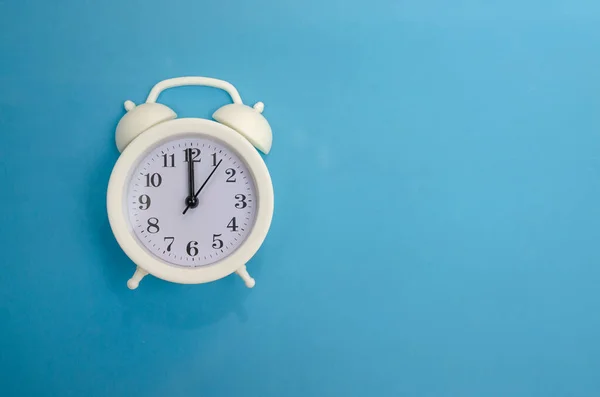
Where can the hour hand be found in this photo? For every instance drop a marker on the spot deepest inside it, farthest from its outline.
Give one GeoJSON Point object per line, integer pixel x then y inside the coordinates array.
{"type": "Point", "coordinates": [191, 201]}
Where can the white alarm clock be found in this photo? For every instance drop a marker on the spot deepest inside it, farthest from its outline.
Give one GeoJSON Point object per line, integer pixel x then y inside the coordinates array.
{"type": "Point", "coordinates": [190, 200]}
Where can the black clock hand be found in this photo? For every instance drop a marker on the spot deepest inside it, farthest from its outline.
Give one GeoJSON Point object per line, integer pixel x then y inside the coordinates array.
{"type": "Point", "coordinates": [204, 184]}
{"type": "Point", "coordinates": [191, 201]}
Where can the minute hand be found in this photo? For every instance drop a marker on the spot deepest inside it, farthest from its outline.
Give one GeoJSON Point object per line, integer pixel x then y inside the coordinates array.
{"type": "Point", "coordinates": [204, 184]}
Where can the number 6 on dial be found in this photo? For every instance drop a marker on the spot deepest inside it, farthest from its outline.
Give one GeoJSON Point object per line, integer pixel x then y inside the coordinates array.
{"type": "Point", "coordinates": [190, 200]}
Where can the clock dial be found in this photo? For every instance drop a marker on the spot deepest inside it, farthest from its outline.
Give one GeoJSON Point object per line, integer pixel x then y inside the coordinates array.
{"type": "Point", "coordinates": [217, 222]}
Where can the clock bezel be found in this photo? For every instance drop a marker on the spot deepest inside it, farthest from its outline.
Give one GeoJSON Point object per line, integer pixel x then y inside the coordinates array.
{"type": "Point", "coordinates": [123, 229]}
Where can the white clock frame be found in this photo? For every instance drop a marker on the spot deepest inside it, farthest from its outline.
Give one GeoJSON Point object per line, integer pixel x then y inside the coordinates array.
{"type": "Point", "coordinates": [122, 229]}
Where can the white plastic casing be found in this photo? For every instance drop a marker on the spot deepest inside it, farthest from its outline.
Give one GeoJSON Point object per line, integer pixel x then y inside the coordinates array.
{"type": "Point", "coordinates": [239, 126]}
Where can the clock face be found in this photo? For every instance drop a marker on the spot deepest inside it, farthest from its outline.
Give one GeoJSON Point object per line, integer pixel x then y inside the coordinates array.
{"type": "Point", "coordinates": [159, 196]}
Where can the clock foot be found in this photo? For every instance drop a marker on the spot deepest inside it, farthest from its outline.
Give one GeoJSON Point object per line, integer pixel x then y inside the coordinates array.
{"type": "Point", "coordinates": [243, 273]}
{"type": "Point", "coordinates": [134, 281]}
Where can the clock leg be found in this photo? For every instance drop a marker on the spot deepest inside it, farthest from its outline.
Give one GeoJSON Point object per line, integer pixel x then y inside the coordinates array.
{"type": "Point", "coordinates": [134, 281]}
{"type": "Point", "coordinates": [243, 273]}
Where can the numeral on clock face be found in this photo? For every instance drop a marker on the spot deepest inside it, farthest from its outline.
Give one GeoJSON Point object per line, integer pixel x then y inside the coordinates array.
{"type": "Point", "coordinates": [145, 202]}
{"type": "Point", "coordinates": [168, 160]}
{"type": "Point", "coordinates": [241, 201]}
{"type": "Point", "coordinates": [170, 241]}
{"type": "Point", "coordinates": [232, 225]}
{"type": "Point", "coordinates": [153, 180]}
{"type": "Point", "coordinates": [217, 242]}
{"type": "Point", "coordinates": [192, 248]}
{"type": "Point", "coordinates": [158, 192]}
{"type": "Point", "coordinates": [195, 155]}
{"type": "Point", "coordinates": [153, 226]}
{"type": "Point", "coordinates": [231, 173]}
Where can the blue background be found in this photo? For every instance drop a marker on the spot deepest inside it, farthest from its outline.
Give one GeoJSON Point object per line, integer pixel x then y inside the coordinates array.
{"type": "Point", "coordinates": [437, 223]}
